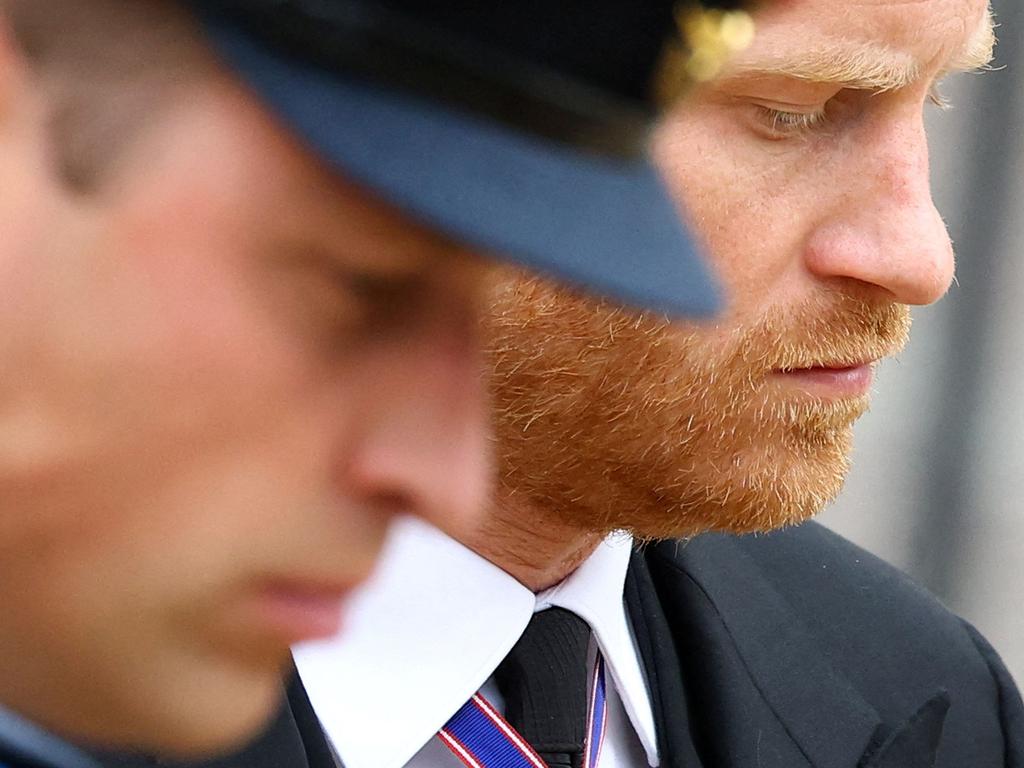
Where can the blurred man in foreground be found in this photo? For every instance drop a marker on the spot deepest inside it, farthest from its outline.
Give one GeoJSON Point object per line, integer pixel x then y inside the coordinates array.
{"type": "Point", "coordinates": [241, 278]}
{"type": "Point", "coordinates": [805, 168]}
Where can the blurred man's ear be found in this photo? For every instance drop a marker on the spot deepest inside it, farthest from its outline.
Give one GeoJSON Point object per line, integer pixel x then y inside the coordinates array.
{"type": "Point", "coordinates": [9, 60]}
{"type": "Point", "coordinates": [24, 150]}
{"type": "Point", "coordinates": [13, 72]}
{"type": "Point", "coordinates": [24, 147]}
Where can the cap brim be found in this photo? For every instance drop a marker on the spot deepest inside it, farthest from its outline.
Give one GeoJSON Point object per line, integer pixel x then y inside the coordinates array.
{"type": "Point", "coordinates": [606, 226]}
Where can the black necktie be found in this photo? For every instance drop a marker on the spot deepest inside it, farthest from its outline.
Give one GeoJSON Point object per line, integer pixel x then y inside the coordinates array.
{"type": "Point", "coordinates": [544, 682]}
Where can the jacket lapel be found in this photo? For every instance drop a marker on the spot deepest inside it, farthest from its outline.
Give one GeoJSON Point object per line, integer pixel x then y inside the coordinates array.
{"type": "Point", "coordinates": [721, 720]}
{"type": "Point", "coordinates": [664, 676]}
{"type": "Point", "coordinates": [319, 753]}
{"type": "Point", "coordinates": [758, 689]}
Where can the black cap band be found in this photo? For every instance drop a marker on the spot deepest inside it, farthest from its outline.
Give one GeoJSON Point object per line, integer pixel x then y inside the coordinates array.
{"type": "Point", "coordinates": [403, 45]}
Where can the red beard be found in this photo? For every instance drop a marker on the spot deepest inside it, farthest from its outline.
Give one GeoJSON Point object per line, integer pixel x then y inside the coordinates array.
{"type": "Point", "coordinates": [607, 420]}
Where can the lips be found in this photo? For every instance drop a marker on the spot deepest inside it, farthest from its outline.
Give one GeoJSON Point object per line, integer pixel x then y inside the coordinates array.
{"type": "Point", "coordinates": [296, 611]}
{"type": "Point", "coordinates": [830, 380]}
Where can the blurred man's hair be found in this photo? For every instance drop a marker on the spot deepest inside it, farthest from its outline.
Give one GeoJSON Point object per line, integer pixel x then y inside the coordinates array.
{"type": "Point", "coordinates": [106, 68]}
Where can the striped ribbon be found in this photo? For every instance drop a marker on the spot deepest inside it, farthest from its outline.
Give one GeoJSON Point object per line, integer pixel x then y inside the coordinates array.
{"type": "Point", "coordinates": [481, 738]}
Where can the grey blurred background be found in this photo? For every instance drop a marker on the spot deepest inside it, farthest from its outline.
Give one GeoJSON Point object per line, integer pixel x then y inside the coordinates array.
{"type": "Point", "coordinates": [938, 481]}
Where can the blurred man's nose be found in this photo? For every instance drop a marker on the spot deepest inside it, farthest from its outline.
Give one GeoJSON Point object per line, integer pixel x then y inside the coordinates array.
{"type": "Point", "coordinates": [424, 447]}
{"type": "Point", "coordinates": [884, 229]}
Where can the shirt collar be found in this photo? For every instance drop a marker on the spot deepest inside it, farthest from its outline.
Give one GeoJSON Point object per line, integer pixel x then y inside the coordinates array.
{"type": "Point", "coordinates": [594, 592]}
{"type": "Point", "coordinates": [21, 737]}
{"type": "Point", "coordinates": [431, 626]}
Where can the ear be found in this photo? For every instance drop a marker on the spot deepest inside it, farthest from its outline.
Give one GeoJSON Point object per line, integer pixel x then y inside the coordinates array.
{"type": "Point", "coordinates": [14, 72]}
{"type": "Point", "coordinates": [23, 134]}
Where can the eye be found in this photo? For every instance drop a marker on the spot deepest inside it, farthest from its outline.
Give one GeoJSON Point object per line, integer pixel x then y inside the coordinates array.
{"type": "Point", "coordinates": [334, 303]}
{"type": "Point", "coordinates": [388, 299]}
{"type": "Point", "coordinates": [782, 124]}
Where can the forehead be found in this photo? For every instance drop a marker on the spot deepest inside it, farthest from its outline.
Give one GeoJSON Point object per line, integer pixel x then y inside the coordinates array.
{"type": "Point", "coordinates": [924, 34]}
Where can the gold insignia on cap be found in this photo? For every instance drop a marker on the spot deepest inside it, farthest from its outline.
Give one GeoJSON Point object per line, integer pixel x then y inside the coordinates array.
{"type": "Point", "coordinates": [709, 38]}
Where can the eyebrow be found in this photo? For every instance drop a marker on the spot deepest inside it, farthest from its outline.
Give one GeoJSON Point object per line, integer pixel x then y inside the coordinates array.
{"type": "Point", "coordinates": [868, 66]}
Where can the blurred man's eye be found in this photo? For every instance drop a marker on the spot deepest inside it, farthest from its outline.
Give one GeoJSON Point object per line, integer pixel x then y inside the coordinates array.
{"type": "Point", "coordinates": [385, 291]}
{"type": "Point", "coordinates": [386, 302]}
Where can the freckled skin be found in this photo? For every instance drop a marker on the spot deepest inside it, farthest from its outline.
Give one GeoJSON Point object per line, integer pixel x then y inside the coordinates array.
{"type": "Point", "coordinates": [850, 201]}
{"type": "Point", "coordinates": [814, 202]}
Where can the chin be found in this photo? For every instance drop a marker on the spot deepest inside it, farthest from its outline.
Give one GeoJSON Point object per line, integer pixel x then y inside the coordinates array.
{"type": "Point", "coordinates": [234, 724]}
{"type": "Point", "coordinates": [194, 717]}
{"type": "Point", "coordinates": [764, 490]}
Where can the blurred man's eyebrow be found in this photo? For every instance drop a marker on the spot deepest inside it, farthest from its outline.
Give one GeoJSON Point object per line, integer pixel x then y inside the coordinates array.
{"type": "Point", "coordinates": [868, 66]}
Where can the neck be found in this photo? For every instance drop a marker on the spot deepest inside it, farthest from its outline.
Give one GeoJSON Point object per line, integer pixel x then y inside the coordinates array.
{"type": "Point", "coordinates": [529, 545]}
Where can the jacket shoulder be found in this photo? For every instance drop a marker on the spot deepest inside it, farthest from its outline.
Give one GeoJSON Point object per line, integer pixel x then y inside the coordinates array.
{"type": "Point", "coordinates": [831, 584]}
{"type": "Point", "coordinates": [889, 637]}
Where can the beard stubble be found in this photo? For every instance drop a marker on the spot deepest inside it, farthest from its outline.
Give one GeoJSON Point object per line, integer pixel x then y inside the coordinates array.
{"type": "Point", "coordinates": [608, 420]}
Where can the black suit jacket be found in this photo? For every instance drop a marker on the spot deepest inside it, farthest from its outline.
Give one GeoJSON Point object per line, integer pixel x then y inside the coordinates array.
{"type": "Point", "coordinates": [798, 649]}
{"type": "Point", "coordinates": [794, 649]}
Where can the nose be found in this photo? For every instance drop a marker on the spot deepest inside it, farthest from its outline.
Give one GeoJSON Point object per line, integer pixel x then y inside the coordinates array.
{"type": "Point", "coordinates": [425, 446]}
{"type": "Point", "coordinates": [884, 229]}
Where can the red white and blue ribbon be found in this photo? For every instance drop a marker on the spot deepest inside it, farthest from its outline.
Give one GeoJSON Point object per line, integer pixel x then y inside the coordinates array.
{"type": "Point", "coordinates": [596, 717]}
{"type": "Point", "coordinates": [481, 738]}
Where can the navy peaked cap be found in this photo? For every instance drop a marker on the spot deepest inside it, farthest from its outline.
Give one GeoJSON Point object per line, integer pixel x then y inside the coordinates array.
{"type": "Point", "coordinates": [518, 127]}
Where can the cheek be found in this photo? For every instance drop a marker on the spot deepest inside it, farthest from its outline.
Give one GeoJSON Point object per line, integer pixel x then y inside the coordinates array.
{"type": "Point", "coordinates": [172, 524]}
{"type": "Point", "coordinates": [195, 327]}
{"type": "Point", "coordinates": [167, 411]}
{"type": "Point", "coordinates": [749, 201]}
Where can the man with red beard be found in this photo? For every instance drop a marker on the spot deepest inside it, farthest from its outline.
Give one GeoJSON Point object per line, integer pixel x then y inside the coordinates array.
{"type": "Point", "coordinates": [548, 636]}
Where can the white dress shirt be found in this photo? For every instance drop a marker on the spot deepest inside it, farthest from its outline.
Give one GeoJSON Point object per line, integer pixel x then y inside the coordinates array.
{"type": "Point", "coordinates": [431, 626]}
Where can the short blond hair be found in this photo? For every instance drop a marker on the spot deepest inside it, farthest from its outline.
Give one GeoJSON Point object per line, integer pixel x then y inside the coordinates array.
{"type": "Point", "coordinates": [106, 68]}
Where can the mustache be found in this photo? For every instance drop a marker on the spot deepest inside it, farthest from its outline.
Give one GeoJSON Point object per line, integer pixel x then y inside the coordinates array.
{"type": "Point", "coordinates": [833, 331]}
{"type": "Point", "coordinates": [533, 323]}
